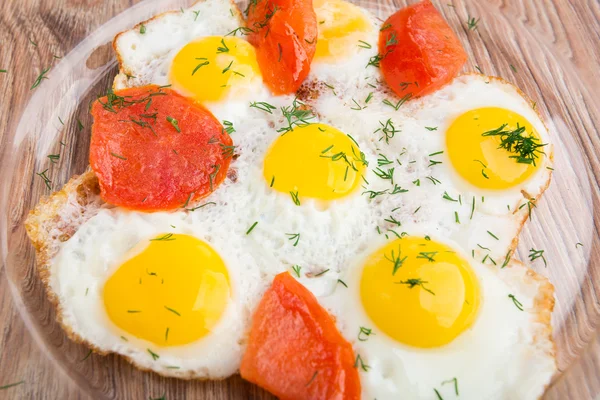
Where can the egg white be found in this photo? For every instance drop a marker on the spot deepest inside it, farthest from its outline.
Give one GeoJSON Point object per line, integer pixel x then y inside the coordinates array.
{"type": "Point", "coordinates": [103, 243]}
{"type": "Point", "coordinates": [147, 58]}
{"type": "Point", "coordinates": [142, 54]}
{"type": "Point", "coordinates": [469, 92]}
{"type": "Point", "coordinates": [504, 354]}
{"type": "Point", "coordinates": [351, 65]}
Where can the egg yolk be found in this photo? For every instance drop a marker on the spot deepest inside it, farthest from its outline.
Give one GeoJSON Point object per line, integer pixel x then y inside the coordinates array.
{"type": "Point", "coordinates": [341, 26]}
{"type": "Point", "coordinates": [215, 68]}
{"type": "Point", "coordinates": [171, 293]}
{"type": "Point", "coordinates": [316, 161]}
{"type": "Point", "coordinates": [483, 159]}
{"type": "Point", "coordinates": [419, 292]}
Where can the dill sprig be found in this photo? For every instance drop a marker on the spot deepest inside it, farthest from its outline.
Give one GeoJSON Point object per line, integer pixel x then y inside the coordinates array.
{"type": "Point", "coordinates": [295, 237]}
{"type": "Point", "coordinates": [364, 333]}
{"type": "Point", "coordinates": [252, 228]}
{"type": "Point", "coordinates": [40, 78]}
{"type": "Point", "coordinates": [396, 260]}
{"type": "Point", "coordinates": [375, 61]}
{"type": "Point", "coordinates": [227, 151]}
{"type": "Point", "coordinates": [397, 106]}
{"type": "Point", "coordinates": [383, 160]}
{"type": "Point", "coordinates": [153, 354]}
{"type": "Point", "coordinates": [360, 363]}
{"type": "Point", "coordinates": [45, 178]}
{"type": "Point", "coordinates": [535, 254]}
{"type": "Point", "coordinates": [228, 127]}
{"type": "Point", "coordinates": [242, 30]}
{"type": "Point", "coordinates": [388, 129]}
{"type": "Point", "coordinates": [224, 48]}
{"type": "Point", "coordinates": [517, 303]}
{"type": "Point", "coordinates": [385, 175]}
{"type": "Point", "coordinates": [263, 106]}
{"type": "Point", "coordinates": [472, 23]}
{"type": "Point", "coordinates": [428, 255]}
{"type": "Point", "coordinates": [525, 148]}
{"type": "Point", "coordinates": [455, 381]}
{"type": "Point", "coordinates": [203, 61]}
{"type": "Point", "coordinates": [411, 283]}
{"type": "Point", "coordinates": [114, 103]}
{"type": "Point", "coordinates": [372, 194]}
{"type": "Point", "coordinates": [398, 189]}
{"type": "Point", "coordinates": [213, 175]}
{"type": "Point", "coordinates": [295, 198]}
{"type": "Point", "coordinates": [261, 24]}
{"type": "Point", "coordinates": [295, 115]}
{"type": "Point", "coordinates": [296, 268]}
{"type": "Point", "coordinates": [164, 238]}
{"type": "Point", "coordinates": [312, 379]}
{"type": "Point", "coordinates": [174, 122]}
{"type": "Point", "coordinates": [173, 311]}
{"type": "Point", "coordinates": [11, 385]}
{"type": "Point", "coordinates": [357, 156]}
{"type": "Point", "coordinates": [530, 205]}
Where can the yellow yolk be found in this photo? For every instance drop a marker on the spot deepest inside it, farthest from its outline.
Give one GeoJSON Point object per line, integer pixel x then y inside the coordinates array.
{"type": "Point", "coordinates": [214, 68]}
{"type": "Point", "coordinates": [419, 292]}
{"type": "Point", "coordinates": [171, 293]}
{"type": "Point", "coordinates": [316, 161]}
{"type": "Point", "coordinates": [478, 158]}
{"type": "Point", "coordinates": [341, 25]}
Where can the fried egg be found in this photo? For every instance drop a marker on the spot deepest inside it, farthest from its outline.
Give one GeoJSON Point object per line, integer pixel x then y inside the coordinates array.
{"type": "Point", "coordinates": [171, 296]}
{"type": "Point", "coordinates": [200, 52]}
{"type": "Point", "coordinates": [474, 120]}
{"type": "Point", "coordinates": [464, 329]}
{"type": "Point", "coordinates": [143, 49]}
{"type": "Point", "coordinates": [347, 39]}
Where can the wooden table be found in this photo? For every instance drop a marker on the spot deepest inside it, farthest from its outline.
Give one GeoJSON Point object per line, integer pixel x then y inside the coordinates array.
{"type": "Point", "coordinates": [33, 31]}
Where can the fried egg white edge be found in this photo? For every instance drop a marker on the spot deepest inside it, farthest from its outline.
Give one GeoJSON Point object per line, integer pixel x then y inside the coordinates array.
{"type": "Point", "coordinates": [78, 273]}
{"type": "Point", "coordinates": [138, 51]}
{"type": "Point", "coordinates": [400, 370]}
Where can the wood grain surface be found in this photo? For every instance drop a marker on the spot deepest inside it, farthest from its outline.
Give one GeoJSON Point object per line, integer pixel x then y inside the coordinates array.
{"type": "Point", "coordinates": [34, 33]}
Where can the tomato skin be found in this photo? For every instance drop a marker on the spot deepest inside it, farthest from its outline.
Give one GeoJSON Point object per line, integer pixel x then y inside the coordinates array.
{"type": "Point", "coordinates": [141, 160]}
{"type": "Point", "coordinates": [285, 37]}
{"type": "Point", "coordinates": [295, 350]}
{"type": "Point", "coordinates": [420, 52]}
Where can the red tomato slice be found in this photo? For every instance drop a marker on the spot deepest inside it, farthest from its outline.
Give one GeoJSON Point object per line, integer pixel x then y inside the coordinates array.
{"type": "Point", "coordinates": [153, 149]}
{"type": "Point", "coordinates": [285, 37]}
{"type": "Point", "coordinates": [420, 52]}
{"type": "Point", "coordinates": [295, 350]}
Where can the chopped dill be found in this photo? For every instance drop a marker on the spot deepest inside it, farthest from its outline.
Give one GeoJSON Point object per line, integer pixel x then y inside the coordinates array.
{"type": "Point", "coordinates": [411, 283]}
{"type": "Point", "coordinates": [526, 149]}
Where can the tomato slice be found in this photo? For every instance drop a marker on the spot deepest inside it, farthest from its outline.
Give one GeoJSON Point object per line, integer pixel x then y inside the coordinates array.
{"type": "Point", "coordinates": [285, 37]}
{"type": "Point", "coordinates": [420, 52]}
{"type": "Point", "coordinates": [153, 149]}
{"type": "Point", "coordinates": [295, 350]}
